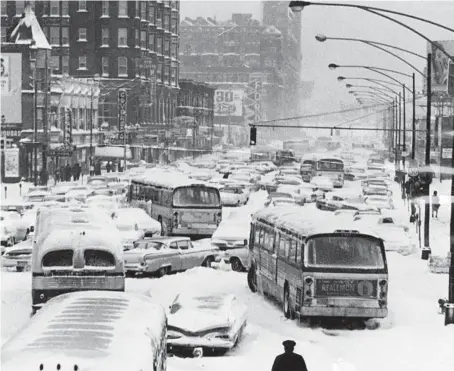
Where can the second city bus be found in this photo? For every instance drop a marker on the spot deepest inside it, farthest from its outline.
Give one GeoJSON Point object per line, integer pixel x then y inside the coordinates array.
{"type": "Point", "coordinates": [317, 270]}
{"type": "Point", "coordinates": [333, 168]}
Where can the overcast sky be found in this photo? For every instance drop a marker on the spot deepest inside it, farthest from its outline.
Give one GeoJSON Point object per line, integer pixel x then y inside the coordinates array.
{"type": "Point", "coordinates": [353, 23]}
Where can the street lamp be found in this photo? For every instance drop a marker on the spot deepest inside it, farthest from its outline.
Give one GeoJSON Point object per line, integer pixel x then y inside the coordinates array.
{"type": "Point", "coordinates": [374, 93]}
{"type": "Point", "coordinates": [373, 88]}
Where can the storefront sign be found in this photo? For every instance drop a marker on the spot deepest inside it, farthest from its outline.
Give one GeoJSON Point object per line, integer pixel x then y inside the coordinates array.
{"type": "Point", "coordinates": [68, 127]}
{"type": "Point", "coordinates": [440, 64]}
{"type": "Point", "coordinates": [446, 153]}
{"type": "Point", "coordinates": [11, 162]}
{"type": "Point", "coordinates": [64, 151]}
{"type": "Point", "coordinates": [122, 105]}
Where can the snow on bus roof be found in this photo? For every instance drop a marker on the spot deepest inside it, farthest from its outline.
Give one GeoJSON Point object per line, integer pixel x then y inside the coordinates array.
{"type": "Point", "coordinates": [295, 219]}
{"type": "Point", "coordinates": [88, 325]}
{"type": "Point", "coordinates": [166, 179]}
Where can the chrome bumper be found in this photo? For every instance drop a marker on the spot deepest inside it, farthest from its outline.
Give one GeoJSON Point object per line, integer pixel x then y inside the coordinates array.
{"type": "Point", "coordinates": [197, 342]}
{"type": "Point", "coordinates": [321, 311]}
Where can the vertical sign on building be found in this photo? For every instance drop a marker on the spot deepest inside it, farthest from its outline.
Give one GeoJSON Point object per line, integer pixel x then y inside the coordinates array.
{"type": "Point", "coordinates": [122, 102]}
{"type": "Point", "coordinates": [68, 128]}
{"type": "Point", "coordinates": [451, 79]}
{"type": "Point", "coordinates": [253, 98]}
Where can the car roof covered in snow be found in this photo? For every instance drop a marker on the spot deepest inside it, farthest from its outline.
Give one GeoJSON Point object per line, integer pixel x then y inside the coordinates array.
{"type": "Point", "coordinates": [166, 179]}
{"type": "Point", "coordinates": [295, 219]}
{"type": "Point", "coordinates": [111, 330]}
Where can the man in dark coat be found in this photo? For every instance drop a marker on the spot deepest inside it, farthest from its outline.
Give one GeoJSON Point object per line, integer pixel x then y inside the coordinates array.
{"type": "Point", "coordinates": [289, 361]}
{"type": "Point", "coordinates": [68, 172]}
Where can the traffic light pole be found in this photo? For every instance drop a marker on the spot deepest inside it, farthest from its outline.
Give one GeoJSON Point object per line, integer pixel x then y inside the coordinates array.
{"type": "Point", "coordinates": [35, 131]}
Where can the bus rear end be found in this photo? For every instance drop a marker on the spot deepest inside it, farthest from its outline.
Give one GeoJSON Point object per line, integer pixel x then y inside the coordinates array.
{"type": "Point", "coordinates": [344, 275]}
{"type": "Point", "coordinates": [333, 169]}
{"type": "Point", "coordinates": [196, 211]}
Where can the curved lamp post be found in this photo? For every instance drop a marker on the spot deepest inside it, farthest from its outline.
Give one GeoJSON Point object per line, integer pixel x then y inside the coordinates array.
{"type": "Point", "coordinates": [378, 94]}
{"type": "Point", "coordinates": [372, 88]}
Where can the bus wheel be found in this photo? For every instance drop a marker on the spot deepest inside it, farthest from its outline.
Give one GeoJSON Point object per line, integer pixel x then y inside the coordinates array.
{"type": "Point", "coordinates": [236, 265]}
{"type": "Point", "coordinates": [288, 313]}
{"type": "Point", "coordinates": [252, 279]}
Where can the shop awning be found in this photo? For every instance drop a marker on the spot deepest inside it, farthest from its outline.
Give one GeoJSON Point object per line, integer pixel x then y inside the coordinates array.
{"type": "Point", "coordinates": [112, 152]}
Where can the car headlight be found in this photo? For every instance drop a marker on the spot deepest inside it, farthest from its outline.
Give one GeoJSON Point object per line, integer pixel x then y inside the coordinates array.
{"type": "Point", "coordinates": [218, 335]}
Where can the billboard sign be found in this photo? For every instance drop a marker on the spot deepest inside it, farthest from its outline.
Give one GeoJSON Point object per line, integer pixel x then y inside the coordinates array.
{"type": "Point", "coordinates": [228, 102]}
{"type": "Point", "coordinates": [440, 64]}
{"type": "Point", "coordinates": [11, 87]}
{"type": "Point", "coordinates": [122, 102]}
{"type": "Point", "coordinates": [11, 162]}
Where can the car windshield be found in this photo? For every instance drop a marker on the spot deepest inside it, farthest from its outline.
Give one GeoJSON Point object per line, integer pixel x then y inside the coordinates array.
{"type": "Point", "coordinates": [37, 198]}
{"type": "Point", "coordinates": [196, 196]}
{"type": "Point", "coordinates": [336, 251]}
{"type": "Point", "coordinates": [280, 195]}
{"type": "Point", "coordinates": [95, 182]}
{"type": "Point", "coordinates": [146, 245]}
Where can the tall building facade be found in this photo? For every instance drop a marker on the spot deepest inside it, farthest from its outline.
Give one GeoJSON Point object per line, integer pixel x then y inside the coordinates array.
{"type": "Point", "coordinates": [119, 44]}
{"type": "Point", "coordinates": [237, 57]}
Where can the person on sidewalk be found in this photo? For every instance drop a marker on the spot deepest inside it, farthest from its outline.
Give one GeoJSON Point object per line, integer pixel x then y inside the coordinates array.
{"type": "Point", "coordinates": [289, 361]}
{"type": "Point", "coordinates": [435, 204]}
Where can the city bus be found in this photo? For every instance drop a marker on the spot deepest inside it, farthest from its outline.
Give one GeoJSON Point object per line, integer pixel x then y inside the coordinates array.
{"type": "Point", "coordinates": [184, 207]}
{"type": "Point", "coordinates": [261, 154]}
{"type": "Point", "coordinates": [317, 269]}
{"type": "Point", "coordinates": [331, 167]}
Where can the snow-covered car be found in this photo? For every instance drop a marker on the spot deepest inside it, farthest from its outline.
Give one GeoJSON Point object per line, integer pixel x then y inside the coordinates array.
{"type": "Point", "coordinates": [18, 256]}
{"type": "Point", "coordinates": [355, 173]}
{"type": "Point", "coordinates": [231, 237]}
{"type": "Point", "coordinates": [267, 185]}
{"type": "Point", "coordinates": [222, 165]}
{"type": "Point", "coordinates": [306, 172]}
{"type": "Point", "coordinates": [39, 189]}
{"type": "Point", "coordinates": [7, 236]}
{"type": "Point", "coordinates": [163, 255]}
{"type": "Point", "coordinates": [289, 179]}
{"type": "Point", "coordinates": [277, 195]}
{"type": "Point", "coordinates": [310, 192]}
{"type": "Point", "coordinates": [207, 322]}
{"type": "Point", "coordinates": [323, 183]}
{"type": "Point", "coordinates": [129, 231]}
{"type": "Point", "coordinates": [109, 203]}
{"type": "Point", "coordinates": [380, 202]}
{"type": "Point", "coordinates": [16, 227]}
{"type": "Point", "coordinates": [376, 189]}
{"type": "Point", "coordinates": [54, 198]}
{"type": "Point", "coordinates": [201, 175]}
{"type": "Point", "coordinates": [97, 181]}
{"type": "Point", "coordinates": [276, 202]}
{"type": "Point", "coordinates": [294, 191]}
{"type": "Point", "coordinates": [232, 195]}
{"type": "Point", "coordinates": [63, 188]}
{"type": "Point", "coordinates": [36, 197]}
{"type": "Point", "coordinates": [340, 200]}
{"type": "Point", "coordinates": [381, 220]}
{"type": "Point", "coordinates": [145, 223]}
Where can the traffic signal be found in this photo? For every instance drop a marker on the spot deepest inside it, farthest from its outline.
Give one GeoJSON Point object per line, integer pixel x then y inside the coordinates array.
{"type": "Point", "coordinates": [253, 136]}
{"type": "Point", "coordinates": [331, 131]}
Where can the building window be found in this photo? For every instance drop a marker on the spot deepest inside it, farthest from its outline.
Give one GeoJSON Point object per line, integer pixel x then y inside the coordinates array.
{"type": "Point", "coordinates": [151, 12]}
{"type": "Point", "coordinates": [143, 39]}
{"type": "Point", "coordinates": [173, 76]}
{"type": "Point", "coordinates": [159, 72]}
{"type": "Point", "coordinates": [82, 34]}
{"type": "Point", "coordinates": [122, 66]}
{"type": "Point", "coordinates": [19, 7]}
{"type": "Point", "coordinates": [65, 65]}
{"type": "Point", "coordinates": [55, 36]}
{"type": "Point", "coordinates": [137, 9]}
{"type": "Point", "coordinates": [83, 6]}
{"type": "Point", "coordinates": [64, 8]}
{"type": "Point", "coordinates": [136, 38]}
{"type": "Point", "coordinates": [65, 36]}
{"type": "Point", "coordinates": [3, 33]}
{"type": "Point", "coordinates": [55, 63]}
{"type": "Point", "coordinates": [82, 63]}
{"type": "Point", "coordinates": [173, 49]}
{"type": "Point", "coordinates": [137, 66]}
{"type": "Point", "coordinates": [143, 10]}
{"type": "Point", "coordinates": [105, 36]}
{"type": "Point", "coordinates": [105, 9]}
{"type": "Point", "coordinates": [122, 37]}
{"type": "Point", "coordinates": [159, 44]}
{"type": "Point", "coordinates": [105, 66]}
{"type": "Point", "coordinates": [151, 41]}
{"type": "Point", "coordinates": [166, 47]}
{"type": "Point", "coordinates": [122, 8]}
{"type": "Point", "coordinates": [55, 8]}
{"type": "Point", "coordinates": [3, 7]}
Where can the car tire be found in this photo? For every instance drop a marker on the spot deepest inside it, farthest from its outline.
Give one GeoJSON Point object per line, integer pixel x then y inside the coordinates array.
{"type": "Point", "coordinates": [19, 269]}
{"type": "Point", "coordinates": [162, 271]}
{"type": "Point", "coordinates": [236, 265]}
{"type": "Point", "coordinates": [207, 262]}
{"type": "Point", "coordinates": [252, 279]}
{"type": "Point", "coordinates": [12, 242]}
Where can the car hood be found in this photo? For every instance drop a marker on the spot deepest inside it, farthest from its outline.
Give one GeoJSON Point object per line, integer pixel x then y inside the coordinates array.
{"type": "Point", "coordinates": [24, 246]}
{"type": "Point", "coordinates": [232, 232]}
{"type": "Point", "coordinates": [228, 196]}
{"type": "Point", "coordinates": [130, 235]}
{"type": "Point", "coordinates": [196, 320]}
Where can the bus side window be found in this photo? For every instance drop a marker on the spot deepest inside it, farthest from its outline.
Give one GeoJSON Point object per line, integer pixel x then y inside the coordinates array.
{"type": "Point", "coordinates": [282, 247]}
{"type": "Point", "coordinates": [261, 237]}
{"type": "Point", "coordinates": [284, 242]}
{"type": "Point", "coordinates": [298, 252]}
{"type": "Point", "coordinates": [252, 235]}
{"type": "Point", "coordinates": [276, 242]}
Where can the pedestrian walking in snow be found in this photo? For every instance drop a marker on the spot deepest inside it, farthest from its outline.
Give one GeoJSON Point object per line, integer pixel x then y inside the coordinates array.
{"type": "Point", "coordinates": [289, 361]}
{"type": "Point", "coordinates": [435, 204]}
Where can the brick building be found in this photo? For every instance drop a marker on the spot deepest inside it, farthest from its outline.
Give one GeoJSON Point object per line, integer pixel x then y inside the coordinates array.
{"type": "Point", "coordinates": [129, 44]}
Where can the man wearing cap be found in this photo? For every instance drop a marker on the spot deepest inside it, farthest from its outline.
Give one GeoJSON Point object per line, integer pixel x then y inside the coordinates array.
{"type": "Point", "coordinates": [289, 361]}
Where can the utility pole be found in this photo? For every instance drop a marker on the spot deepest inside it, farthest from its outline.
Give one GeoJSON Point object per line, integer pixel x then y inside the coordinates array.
{"type": "Point", "coordinates": [426, 250]}
{"type": "Point", "coordinates": [45, 122]}
{"type": "Point", "coordinates": [91, 165]}
{"type": "Point", "coordinates": [399, 145]}
{"type": "Point", "coordinates": [35, 128]}
{"type": "Point", "coordinates": [404, 126]}
{"type": "Point", "coordinates": [449, 306]}
{"type": "Point", "coordinates": [413, 143]}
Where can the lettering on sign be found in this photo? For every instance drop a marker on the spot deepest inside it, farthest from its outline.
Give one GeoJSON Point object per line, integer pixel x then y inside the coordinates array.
{"type": "Point", "coordinates": [11, 133]}
{"type": "Point", "coordinates": [122, 104]}
{"type": "Point", "coordinates": [446, 153]}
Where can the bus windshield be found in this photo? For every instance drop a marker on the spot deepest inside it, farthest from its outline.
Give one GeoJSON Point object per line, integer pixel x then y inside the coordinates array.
{"type": "Point", "coordinates": [196, 196]}
{"type": "Point", "coordinates": [330, 165]}
{"type": "Point", "coordinates": [343, 252]}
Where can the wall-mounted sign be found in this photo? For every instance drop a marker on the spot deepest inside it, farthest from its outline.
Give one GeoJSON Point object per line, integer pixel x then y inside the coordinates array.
{"type": "Point", "coordinates": [11, 162]}
{"type": "Point", "coordinates": [228, 102]}
{"type": "Point", "coordinates": [122, 105]}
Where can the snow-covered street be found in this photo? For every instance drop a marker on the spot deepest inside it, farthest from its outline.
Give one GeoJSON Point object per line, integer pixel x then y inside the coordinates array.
{"type": "Point", "coordinates": [413, 336]}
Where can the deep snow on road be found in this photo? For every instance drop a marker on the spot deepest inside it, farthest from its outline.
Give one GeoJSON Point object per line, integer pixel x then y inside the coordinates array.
{"type": "Point", "coordinates": [412, 338]}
